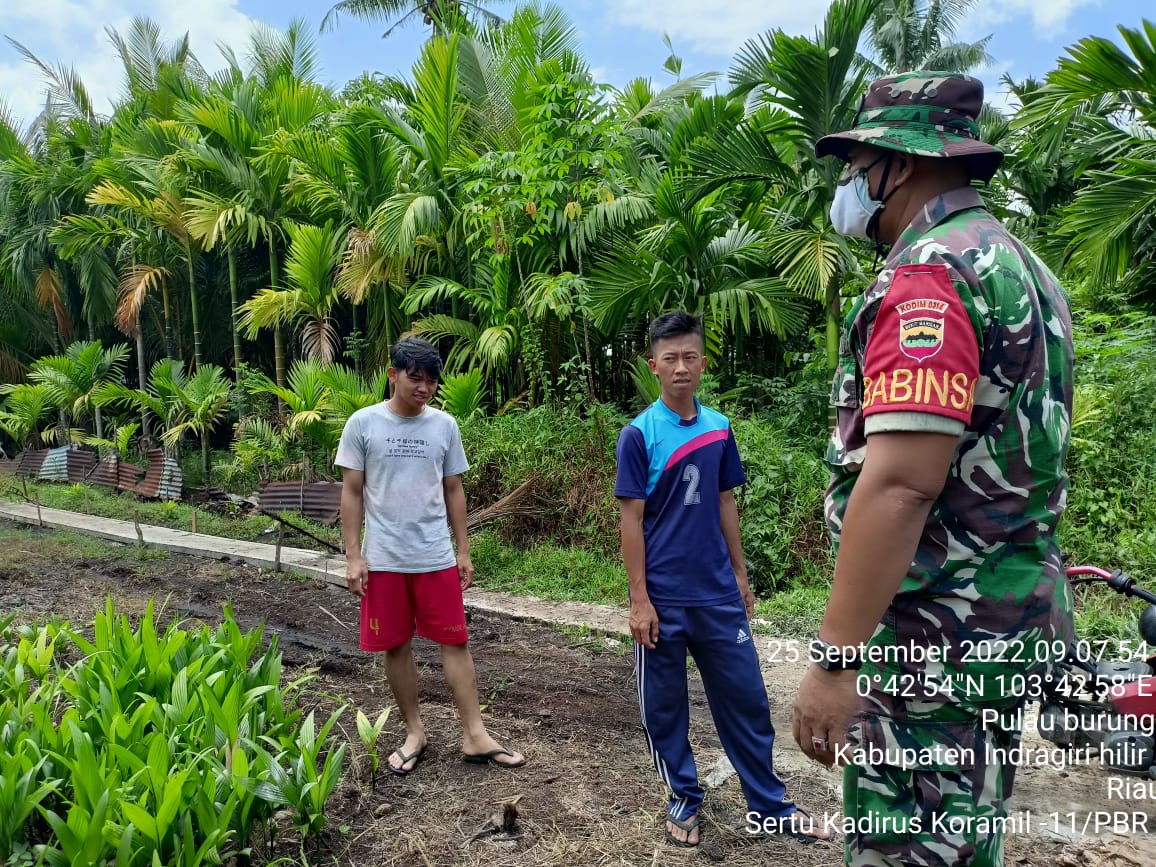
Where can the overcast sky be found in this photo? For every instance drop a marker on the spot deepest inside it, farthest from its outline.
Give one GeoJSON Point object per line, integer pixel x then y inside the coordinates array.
{"type": "Point", "coordinates": [622, 39]}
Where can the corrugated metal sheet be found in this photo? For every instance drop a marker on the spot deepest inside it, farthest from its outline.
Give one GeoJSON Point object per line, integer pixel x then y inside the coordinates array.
{"type": "Point", "coordinates": [318, 501]}
{"type": "Point", "coordinates": [80, 463]}
{"type": "Point", "coordinates": [54, 467]}
{"type": "Point", "coordinates": [105, 473]}
{"type": "Point", "coordinates": [62, 464]}
{"type": "Point", "coordinates": [171, 479]}
{"type": "Point", "coordinates": [160, 479]}
{"type": "Point", "coordinates": [28, 464]}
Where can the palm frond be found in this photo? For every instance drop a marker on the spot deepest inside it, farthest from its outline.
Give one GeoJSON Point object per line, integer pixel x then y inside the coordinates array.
{"type": "Point", "coordinates": [136, 283]}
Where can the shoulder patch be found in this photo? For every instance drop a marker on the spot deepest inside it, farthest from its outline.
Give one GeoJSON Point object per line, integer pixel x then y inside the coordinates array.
{"type": "Point", "coordinates": [921, 319]}
{"type": "Point", "coordinates": [922, 354]}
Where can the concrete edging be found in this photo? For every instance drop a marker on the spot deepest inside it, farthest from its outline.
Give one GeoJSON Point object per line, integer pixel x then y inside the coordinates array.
{"type": "Point", "coordinates": [313, 564]}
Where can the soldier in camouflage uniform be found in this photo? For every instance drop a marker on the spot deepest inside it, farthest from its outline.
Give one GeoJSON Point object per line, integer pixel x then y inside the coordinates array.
{"type": "Point", "coordinates": [953, 402]}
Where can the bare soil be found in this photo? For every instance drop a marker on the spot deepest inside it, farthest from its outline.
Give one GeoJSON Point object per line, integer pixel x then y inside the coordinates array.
{"type": "Point", "coordinates": [589, 795]}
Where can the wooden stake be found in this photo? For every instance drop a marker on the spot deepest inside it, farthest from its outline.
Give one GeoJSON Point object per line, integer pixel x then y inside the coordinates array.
{"type": "Point", "coordinates": [194, 520]}
{"type": "Point", "coordinates": [277, 553]}
{"type": "Point", "coordinates": [39, 517]}
{"type": "Point", "coordinates": [87, 511]}
{"type": "Point", "coordinates": [139, 534]}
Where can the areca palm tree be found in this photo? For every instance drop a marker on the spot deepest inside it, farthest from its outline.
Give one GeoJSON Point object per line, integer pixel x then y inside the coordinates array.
{"type": "Point", "coordinates": [308, 399]}
{"type": "Point", "coordinates": [701, 258]}
{"type": "Point", "coordinates": [44, 175]}
{"type": "Point", "coordinates": [343, 174]}
{"type": "Point", "coordinates": [1106, 92]}
{"type": "Point", "coordinates": [73, 379]}
{"type": "Point", "coordinates": [240, 123]}
{"type": "Point", "coordinates": [153, 192]}
{"type": "Point", "coordinates": [310, 295]}
{"type": "Point", "coordinates": [811, 87]}
{"type": "Point", "coordinates": [22, 412]}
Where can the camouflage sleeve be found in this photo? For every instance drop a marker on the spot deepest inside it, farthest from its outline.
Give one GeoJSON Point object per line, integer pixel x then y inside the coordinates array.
{"type": "Point", "coordinates": [923, 354]}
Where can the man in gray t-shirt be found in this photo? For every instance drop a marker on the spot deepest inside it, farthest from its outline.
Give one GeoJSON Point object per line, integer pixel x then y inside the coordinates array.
{"type": "Point", "coordinates": [402, 465]}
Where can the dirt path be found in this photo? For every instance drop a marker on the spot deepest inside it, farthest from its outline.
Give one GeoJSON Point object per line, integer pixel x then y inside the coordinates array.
{"type": "Point", "coordinates": [589, 795]}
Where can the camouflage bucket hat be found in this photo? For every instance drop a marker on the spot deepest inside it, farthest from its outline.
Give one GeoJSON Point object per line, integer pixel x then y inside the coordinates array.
{"type": "Point", "coordinates": [931, 114]}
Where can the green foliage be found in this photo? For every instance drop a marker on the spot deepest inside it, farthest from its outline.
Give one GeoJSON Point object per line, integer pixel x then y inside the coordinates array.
{"type": "Point", "coordinates": [571, 459]}
{"type": "Point", "coordinates": [22, 412]}
{"type": "Point", "coordinates": [781, 507]}
{"type": "Point", "coordinates": [549, 571]}
{"type": "Point", "coordinates": [462, 395]}
{"type": "Point", "coordinates": [152, 747]}
{"type": "Point", "coordinates": [369, 732]}
{"type": "Point", "coordinates": [1112, 465]}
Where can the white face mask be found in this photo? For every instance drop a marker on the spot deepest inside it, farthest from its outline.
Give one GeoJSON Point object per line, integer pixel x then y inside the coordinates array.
{"type": "Point", "coordinates": [853, 207]}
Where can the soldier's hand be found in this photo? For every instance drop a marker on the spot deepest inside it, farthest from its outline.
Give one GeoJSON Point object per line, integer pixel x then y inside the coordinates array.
{"type": "Point", "coordinates": [823, 709]}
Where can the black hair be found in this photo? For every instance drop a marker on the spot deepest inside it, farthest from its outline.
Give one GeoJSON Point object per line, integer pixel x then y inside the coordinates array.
{"type": "Point", "coordinates": [414, 355]}
{"type": "Point", "coordinates": [673, 324]}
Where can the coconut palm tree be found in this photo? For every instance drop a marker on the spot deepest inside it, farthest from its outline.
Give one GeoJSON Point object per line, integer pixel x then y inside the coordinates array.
{"type": "Point", "coordinates": [917, 34]}
{"type": "Point", "coordinates": [441, 15]}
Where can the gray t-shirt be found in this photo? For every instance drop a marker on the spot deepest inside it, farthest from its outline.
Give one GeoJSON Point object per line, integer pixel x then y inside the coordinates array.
{"type": "Point", "coordinates": [404, 461]}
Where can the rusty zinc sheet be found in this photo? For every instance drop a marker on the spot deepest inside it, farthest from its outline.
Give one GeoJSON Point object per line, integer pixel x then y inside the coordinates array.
{"type": "Point", "coordinates": [62, 464]}
{"type": "Point", "coordinates": [28, 463]}
{"type": "Point", "coordinates": [105, 473]}
{"type": "Point", "coordinates": [80, 464]}
{"type": "Point", "coordinates": [318, 501]}
{"type": "Point", "coordinates": [160, 479]}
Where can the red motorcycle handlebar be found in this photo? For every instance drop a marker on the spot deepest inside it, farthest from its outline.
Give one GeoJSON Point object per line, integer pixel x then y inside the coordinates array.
{"type": "Point", "coordinates": [1073, 571]}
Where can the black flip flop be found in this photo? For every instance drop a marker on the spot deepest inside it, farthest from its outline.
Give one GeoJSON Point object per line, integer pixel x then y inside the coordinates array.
{"type": "Point", "coordinates": [687, 825]}
{"type": "Point", "coordinates": [489, 759]}
{"type": "Point", "coordinates": [405, 760]}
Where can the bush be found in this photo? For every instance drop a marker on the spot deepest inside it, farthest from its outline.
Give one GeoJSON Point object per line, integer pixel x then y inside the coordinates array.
{"type": "Point", "coordinates": [572, 460]}
{"type": "Point", "coordinates": [781, 507]}
{"type": "Point", "coordinates": [1113, 460]}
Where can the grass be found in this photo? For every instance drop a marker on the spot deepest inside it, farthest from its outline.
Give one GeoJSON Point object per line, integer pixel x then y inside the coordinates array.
{"type": "Point", "coordinates": [549, 571]}
{"type": "Point", "coordinates": [18, 544]}
{"type": "Point", "coordinates": [106, 503]}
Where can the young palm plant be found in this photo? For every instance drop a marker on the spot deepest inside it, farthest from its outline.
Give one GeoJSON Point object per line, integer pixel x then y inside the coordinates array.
{"type": "Point", "coordinates": [23, 411]}
{"type": "Point", "coordinates": [71, 381]}
{"type": "Point", "coordinates": [182, 403]}
{"type": "Point", "coordinates": [308, 401]}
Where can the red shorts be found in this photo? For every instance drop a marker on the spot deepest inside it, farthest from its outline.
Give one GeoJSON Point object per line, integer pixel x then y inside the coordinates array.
{"type": "Point", "coordinates": [395, 601]}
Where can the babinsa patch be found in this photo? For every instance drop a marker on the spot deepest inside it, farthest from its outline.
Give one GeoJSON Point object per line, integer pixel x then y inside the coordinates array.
{"type": "Point", "coordinates": [921, 327]}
